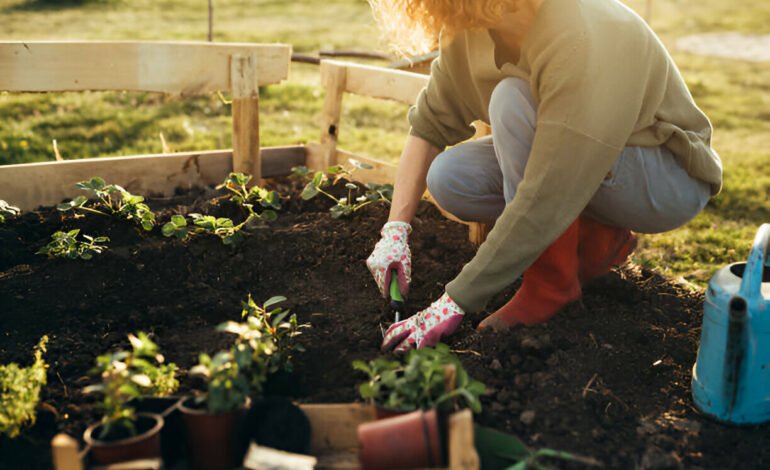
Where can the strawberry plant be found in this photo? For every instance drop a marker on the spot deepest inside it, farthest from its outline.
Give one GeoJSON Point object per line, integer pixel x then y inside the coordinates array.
{"type": "Point", "coordinates": [419, 381]}
{"type": "Point", "coordinates": [223, 227]}
{"type": "Point", "coordinates": [278, 325]}
{"type": "Point", "coordinates": [7, 211]}
{"type": "Point", "coordinates": [20, 392]}
{"type": "Point", "coordinates": [111, 200]}
{"type": "Point", "coordinates": [67, 245]}
{"type": "Point", "coordinates": [227, 385]}
{"type": "Point", "coordinates": [128, 375]}
{"type": "Point", "coordinates": [251, 351]}
{"type": "Point", "coordinates": [236, 184]}
{"type": "Point", "coordinates": [347, 205]}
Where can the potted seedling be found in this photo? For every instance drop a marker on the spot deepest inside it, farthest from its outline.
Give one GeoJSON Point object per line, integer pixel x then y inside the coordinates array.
{"type": "Point", "coordinates": [20, 392]}
{"type": "Point", "coordinates": [232, 377]}
{"type": "Point", "coordinates": [412, 439]}
{"type": "Point", "coordinates": [123, 434]}
{"type": "Point", "coordinates": [282, 327]}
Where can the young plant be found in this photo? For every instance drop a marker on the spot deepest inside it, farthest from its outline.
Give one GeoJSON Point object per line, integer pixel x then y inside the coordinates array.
{"type": "Point", "coordinates": [20, 392]}
{"type": "Point", "coordinates": [281, 327]}
{"type": "Point", "coordinates": [419, 382]}
{"type": "Point", "coordinates": [227, 385]}
{"type": "Point", "coordinates": [67, 245]}
{"type": "Point", "coordinates": [130, 375]}
{"type": "Point", "coordinates": [251, 351]}
{"type": "Point", "coordinates": [343, 206]}
{"type": "Point", "coordinates": [236, 184]}
{"type": "Point", "coordinates": [7, 211]}
{"type": "Point", "coordinates": [223, 227]}
{"type": "Point", "coordinates": [111, 200]}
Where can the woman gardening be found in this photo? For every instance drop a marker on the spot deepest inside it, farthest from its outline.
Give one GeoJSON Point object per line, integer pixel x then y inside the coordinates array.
{"type": "Point", "coordinates": [594, 135]}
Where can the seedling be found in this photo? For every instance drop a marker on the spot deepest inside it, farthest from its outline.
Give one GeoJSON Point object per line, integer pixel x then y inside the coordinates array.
{"type": "Point", "coordinates": [111, 200]}
{"type": "Point", "coordinates": [251, 351]}
{"type": "Point", "coordinates": [418, 382]}
{"type": "Point", "coordinates": [7, 211]}
{"type": "Point", "coordinates": [281, 327]}
{"type": "Point", "coordinates": [343, 206]}
{"type": "Point", "coordinates": [130, 375]}
{"type": "Point", "coordinates": [236, 184]}
{"type": "Point", "coordinates": [67, 245]}
{"type": "Point", "coordinates": [227, 386]}
{"type": "Point", "coordinates": [20, 392]}
{"type": "Point", "coordinates": [223, 227]}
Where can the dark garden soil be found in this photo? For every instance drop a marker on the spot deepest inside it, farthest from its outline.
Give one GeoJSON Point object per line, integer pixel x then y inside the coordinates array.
{"type": "Point", "coordinates": [608, 378]}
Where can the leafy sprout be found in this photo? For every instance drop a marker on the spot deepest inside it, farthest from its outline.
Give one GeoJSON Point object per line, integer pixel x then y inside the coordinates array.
{"type": "Point", "coordinates": [419, 382]}
{"type": "Point", "coordinates": [111, 200]}
{"type": "Point", "coordinates": [67, 245]}
{"type": "Point", "coordinates": [344, 206]}
{"type": "Point", "coordinates": [7, 211]}
{"type": "Point", "coordinates": [20, 392]}
{"type": "Point", "coordinates": [281, 326]}
{"type": "Point", "coordinates": [223, 227]}
{"type": "Point", "coordinates": [237, 185]}
{"type": "Point", "coordinates": [227, 385]}
{"type": "Point", "coordinates": [128, 375]}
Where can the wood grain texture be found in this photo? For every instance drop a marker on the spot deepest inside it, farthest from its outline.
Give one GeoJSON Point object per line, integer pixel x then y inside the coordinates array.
{"type": "Point", "coordinates": [333, 79]}
{"type": "Point", "coordinates": [462, 451]}
{"type": "Point", "coordinates": [335, 427]}
{"type": "Point", "coordinates": [31, 185]}
{"type": "Point", "coordinates": [65, 452]}
{"type": "Point", "coordinates": [245, 89]}
{"type": "Point", "coordinates": [381, 82]}
{"type": "Point", "coordinates": [185, 68]}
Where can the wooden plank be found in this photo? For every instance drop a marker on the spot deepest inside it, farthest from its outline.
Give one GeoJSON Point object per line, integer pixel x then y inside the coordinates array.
{"type": "Point", "coordinates": [462, 450]}
{"type": "Point", "coordinates": [381, 82]}
{"type": "Point", "coordinates": [185, 68]}
{"type": "Point", "coordinates": [31, 185]}
{"type": "Point", "coordinates": [335, 427]}
{"type": "Point", "coordinates": [65, 453]}
{"type": "Point", "coordinates": [333, 78]}
{"type": "Point", "coordinates": [245, 88]}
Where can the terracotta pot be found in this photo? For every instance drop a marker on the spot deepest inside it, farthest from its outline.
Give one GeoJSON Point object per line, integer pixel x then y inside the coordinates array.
{"type": "Point", "coordinates": [145, 445]}
{"type": "Point", "coordinates": [212, 438]}
{"type": "Point", "coordinates": [382, 412]}
{"type": "Point", "coordinates": [411, 440]}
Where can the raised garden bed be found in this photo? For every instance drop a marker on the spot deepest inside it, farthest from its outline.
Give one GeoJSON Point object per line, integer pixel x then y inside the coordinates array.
{"type": "Point", "coordinates": [608, 378]}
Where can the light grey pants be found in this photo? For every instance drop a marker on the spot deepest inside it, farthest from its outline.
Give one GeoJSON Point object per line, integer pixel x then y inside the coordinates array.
{"type": "Point", "coordinates": [647, 190]}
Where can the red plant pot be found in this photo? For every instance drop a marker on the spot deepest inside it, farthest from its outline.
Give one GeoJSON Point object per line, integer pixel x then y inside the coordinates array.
{"type": "Point", "coordinates": [212, 441]}
{"type": "Point", "coordinates": [381, 412]}
{"type": "Point", "coordinates": [145, 445]}
{"type": "Point", "coordinates": [411, 440]}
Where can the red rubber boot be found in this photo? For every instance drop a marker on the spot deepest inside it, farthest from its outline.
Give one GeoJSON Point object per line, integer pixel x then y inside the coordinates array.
{"type": "Point", "coordinates": [549, 285]}
{"type": "Point", "coordinates": [601, 247]}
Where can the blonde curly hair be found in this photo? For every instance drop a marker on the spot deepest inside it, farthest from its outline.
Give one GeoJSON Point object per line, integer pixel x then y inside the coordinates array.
{"type": "Point", "coordinates": [413, 26]}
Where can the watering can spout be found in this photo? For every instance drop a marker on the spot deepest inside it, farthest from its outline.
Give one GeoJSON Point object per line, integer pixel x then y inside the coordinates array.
{"type": "Point", "coordinates": [736, 349]}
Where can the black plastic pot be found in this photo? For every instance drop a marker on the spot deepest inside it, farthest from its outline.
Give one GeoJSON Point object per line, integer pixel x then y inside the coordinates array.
{"type": "Point", "coordinates": [116, 448]}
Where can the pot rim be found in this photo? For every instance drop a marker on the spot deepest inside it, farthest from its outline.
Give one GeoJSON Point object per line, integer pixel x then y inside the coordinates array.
{"type": "Point", "coordinates": [93, 441]}
{"type": "Point", "coordinates": [204, 412]}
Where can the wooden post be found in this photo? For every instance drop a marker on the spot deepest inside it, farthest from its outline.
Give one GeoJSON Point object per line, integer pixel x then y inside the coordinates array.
{"type": "Point", "coordinates": [477, 232]}
{"type": "Point", "coordinates": [65, 453]}
{"type": "Point", "coordinates": [245, 88]}
{"type": "Point", "coordinates": [462, 449]}
{"type": "Point", "coordinates": [333, 80]}
{"type": "Point", "coordinates": [648, 12]}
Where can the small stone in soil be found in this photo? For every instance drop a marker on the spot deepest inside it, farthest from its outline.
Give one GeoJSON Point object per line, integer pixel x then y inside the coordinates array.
{"type": "Point", "coordinates": [515, 360]}
{"type": "Point", "coordinates": [527, 417]}
{"type": "Point", "coordinates": [495, 365]}
{"type": "Point", "coordinates": [530, 344]}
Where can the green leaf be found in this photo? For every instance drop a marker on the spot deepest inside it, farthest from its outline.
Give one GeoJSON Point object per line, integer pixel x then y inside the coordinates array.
{"type": "Point", "coordinates": [168, 229]}
{"type": "Point", "coordinates": [273, 300]}
{"type": "Point", "coordinates": [360, 165]}
{"type": "Point", "coordinates": [269, 216]}
{"type": "Point", "coordinates": [309, 192]}
{"type": "Point", "coordinates": [178, 220]}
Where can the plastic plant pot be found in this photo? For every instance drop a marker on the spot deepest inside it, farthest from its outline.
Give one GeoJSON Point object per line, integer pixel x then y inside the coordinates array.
{"type": "Point", "coordinates": [411, 440]}
{"type": "Point", "coordinates": [212, 438]}
{"type": "Point", "coordinates": [144, 445]}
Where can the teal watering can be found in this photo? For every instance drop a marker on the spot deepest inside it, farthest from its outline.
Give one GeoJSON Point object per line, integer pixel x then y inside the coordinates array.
{"type": "Point", "coordinates": [731, 377]}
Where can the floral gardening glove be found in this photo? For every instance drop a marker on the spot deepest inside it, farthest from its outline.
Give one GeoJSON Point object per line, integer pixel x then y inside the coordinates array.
{"type": "Point", "coordinates": [392, 252]}
{"type": "Point", "coordinates": [426, 327]}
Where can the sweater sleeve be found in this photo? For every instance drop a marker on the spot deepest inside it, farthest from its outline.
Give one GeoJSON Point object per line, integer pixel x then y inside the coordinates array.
{"type": "Point", "coordinates": [590, 91]}
{"type": "Point", "coordinates": [440, 115]}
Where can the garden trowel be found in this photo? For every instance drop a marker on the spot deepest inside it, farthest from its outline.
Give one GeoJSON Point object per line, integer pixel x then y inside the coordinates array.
{"type": "Point", "coordinates": [396, 300]}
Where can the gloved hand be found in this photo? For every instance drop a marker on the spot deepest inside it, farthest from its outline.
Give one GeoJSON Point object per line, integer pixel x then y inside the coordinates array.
{"type": "Point", "coordinates": [392, 252]}
{"type": "Point", "coordinates": [426, 327]}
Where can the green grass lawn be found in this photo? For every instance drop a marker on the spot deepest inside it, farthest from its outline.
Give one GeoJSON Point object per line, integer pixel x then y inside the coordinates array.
{"type": "Point", "coordinates": [735, 95]}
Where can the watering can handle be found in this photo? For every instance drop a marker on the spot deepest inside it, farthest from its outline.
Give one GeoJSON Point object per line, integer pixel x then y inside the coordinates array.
{"type": "Point", "coordinates": [751, 286]}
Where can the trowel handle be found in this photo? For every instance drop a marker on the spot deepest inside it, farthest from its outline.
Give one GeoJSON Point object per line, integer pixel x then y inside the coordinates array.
{"type": "Point", "coordinates": [751, 286]}
{"type": "Point", "coordinates": [395, 292]}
